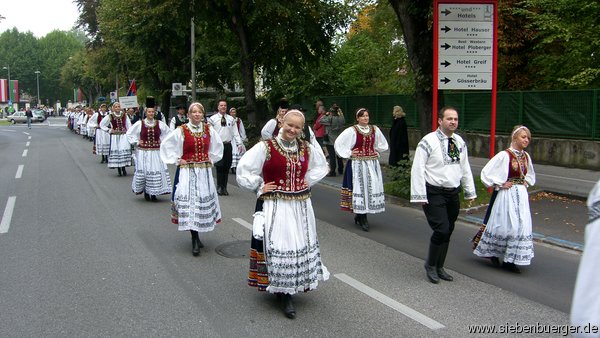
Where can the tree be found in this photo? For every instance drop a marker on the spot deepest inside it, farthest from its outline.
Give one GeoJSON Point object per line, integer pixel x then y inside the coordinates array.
{"type": "Point", "coordinates": [20, 52]}
{"type": "Point", "coordinates": [415, 19]}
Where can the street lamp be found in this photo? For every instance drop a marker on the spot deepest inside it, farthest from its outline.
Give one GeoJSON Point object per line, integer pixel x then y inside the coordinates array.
{"type": "Point", "coordinates": [7, 68]}
{"type": "Point", "coordinates": [37, 76]}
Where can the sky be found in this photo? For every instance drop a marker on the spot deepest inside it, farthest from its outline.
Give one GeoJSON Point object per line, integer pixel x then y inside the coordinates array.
{"type": "Point", "coordinates": [38, 16]}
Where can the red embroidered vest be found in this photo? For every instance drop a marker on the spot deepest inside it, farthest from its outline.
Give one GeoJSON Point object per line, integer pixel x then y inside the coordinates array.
{"type": "Point", "coordinates": [118, 124]}
{"type": "Point", "coordinates": [195, 145]}
{"type": "Point", "coordinates": [287, 170]}
{"type": "Point", "coordinates": [149, 136]}
{"type": "Point", "coordinates": [517, 167]}
{"type": "Point", "coordinates": [99, 119]}
{"type": "Point", "coordinates": [365, 143]}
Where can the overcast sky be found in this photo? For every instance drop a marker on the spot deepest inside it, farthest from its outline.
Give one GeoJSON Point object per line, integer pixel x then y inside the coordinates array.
{"type": "Point", "coordinates": [38, 16]}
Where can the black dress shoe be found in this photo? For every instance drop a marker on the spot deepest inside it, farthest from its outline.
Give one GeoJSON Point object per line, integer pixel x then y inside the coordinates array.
{"type": "Point", "coordinates": [146, 196]}
{"type": "Point", "coordinates": [511, 267]}
{"type": "Point", "coordinates": [288, 306]}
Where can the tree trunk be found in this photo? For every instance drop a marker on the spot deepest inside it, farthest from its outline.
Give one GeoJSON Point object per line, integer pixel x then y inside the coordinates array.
{"type": "Point", "coordinates": [414, 18]}
{"type": "Point", "coordinates": [246, 63]}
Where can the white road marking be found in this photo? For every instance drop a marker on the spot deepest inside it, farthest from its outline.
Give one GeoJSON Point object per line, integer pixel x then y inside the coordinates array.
{"type": "Point", "coordinates": [243, 223]}
{"type": "Point", "coordinates": [19, 171]}
{"type": "Point", "coordinates": [26, 133]}
{"type": "Point", "coordinates": [27, 144]}
{"type": "Point", "coordinates": [7, 217]}
{"type": "Point", "coordinates": [29, 137]}
{"type": "Point", "coordinates": [403, 309]}
{"type": "Point", "coordinates": [8, 130]}
{"type": "Point", "coordinates": [25, 153]}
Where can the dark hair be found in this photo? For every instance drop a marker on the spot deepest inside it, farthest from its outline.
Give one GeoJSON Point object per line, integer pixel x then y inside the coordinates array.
{"type": "Point", "coordinates": [361, 111]}
{"type": "Point", "coordinates": [443, 110]}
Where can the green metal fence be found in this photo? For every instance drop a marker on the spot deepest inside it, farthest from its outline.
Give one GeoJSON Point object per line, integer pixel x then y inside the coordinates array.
{"type": "Point", "coordinates": [560, 114]}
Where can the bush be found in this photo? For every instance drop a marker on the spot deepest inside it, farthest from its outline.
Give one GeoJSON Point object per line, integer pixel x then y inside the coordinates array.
{"type": "Point", "coordinates": [399, 180]}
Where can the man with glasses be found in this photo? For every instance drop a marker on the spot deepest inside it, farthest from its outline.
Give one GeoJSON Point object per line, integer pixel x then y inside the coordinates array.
{"type": "Point", "coordinates": [225, 125]}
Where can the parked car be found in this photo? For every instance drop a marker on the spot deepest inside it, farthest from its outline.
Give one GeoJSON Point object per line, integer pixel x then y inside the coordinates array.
{"type": "Point", "coordinates": [21, 117]}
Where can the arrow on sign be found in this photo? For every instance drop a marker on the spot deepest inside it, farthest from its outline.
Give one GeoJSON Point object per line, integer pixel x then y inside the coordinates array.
{"type": "Point", "coordinates": [446, 29]}
{"type": "Point", "coordinates": [445, 46]}
{"type": "Point", "coordinates": [446, 12]}
{"type": "Point", "coordinates": [445, 63]}
{"type": "Point", "coordinates": [445, 80]}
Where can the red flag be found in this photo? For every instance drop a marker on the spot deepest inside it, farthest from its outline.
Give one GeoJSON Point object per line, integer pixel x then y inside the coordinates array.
{"type": "Point", "coordinates": [15, 93]}
{"type": "Point", "coordinates": [132, 88]}
{"type": "Point", "coordinates": [3, 90]}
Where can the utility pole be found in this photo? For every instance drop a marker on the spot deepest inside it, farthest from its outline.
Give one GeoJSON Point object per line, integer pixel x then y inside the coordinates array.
{"type": "Point", "coordinates": [193, 52]}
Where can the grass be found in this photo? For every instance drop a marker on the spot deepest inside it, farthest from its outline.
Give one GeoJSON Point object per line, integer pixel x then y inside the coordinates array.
{"type": "Point", "coordinates": [4, 123]}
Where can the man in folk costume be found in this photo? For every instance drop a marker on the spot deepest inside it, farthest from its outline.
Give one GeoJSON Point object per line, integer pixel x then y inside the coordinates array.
{"type": "Point", "coordinates": [225, 126]}
{"type": "Point", "coordinates": [179, 119]}
{"type": "Point", "coordinates": [151, 176]}
{"type": "Point", "coordinates": [116, 124]}
{"type": "Point", "coordinates": [440, 167]}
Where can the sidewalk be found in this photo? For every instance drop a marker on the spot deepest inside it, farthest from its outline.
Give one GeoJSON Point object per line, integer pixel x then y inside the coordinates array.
{"type": "Point", "coordinates": [558, 209]}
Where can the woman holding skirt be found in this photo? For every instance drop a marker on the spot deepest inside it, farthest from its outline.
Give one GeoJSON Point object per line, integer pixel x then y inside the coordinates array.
{"type": "Point", "coordinates": [362, 187]}
{"type": "Point", "coordinates": [285, 257]}
{"type": "Point", "coordinates": [151, 176]}
{"type": "Point", "coordinates": [194, 147]}
{"type": "Point", "coordinates": [507, 235]}
{"type": "Point", "coordinates": [116, 124]}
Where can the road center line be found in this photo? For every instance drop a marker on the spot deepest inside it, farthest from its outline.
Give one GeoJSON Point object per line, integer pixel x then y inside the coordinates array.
{"type": "Point", "coordinates": [25, 153]}
{"type": "Point", "coordinates": [403, 309]}
{"type": "Point", "coordinates": [19, 171]}
{"type": "Point", "coordinates": [243, 223]}
{"type": "Point", "coordinates": [26, 133]}
{"type": "Point", "coordinates": [8, 211]}
{"type": "Point", "coordinates": [27, 144]}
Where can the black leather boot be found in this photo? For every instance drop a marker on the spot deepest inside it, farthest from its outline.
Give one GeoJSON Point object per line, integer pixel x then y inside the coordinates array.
{"type": "Point", "coordinates": [120, 174]}
{"type": "Point", "coordinates": [288, 306]}
{"type": "Point", "coordinates": [146, 196]}
{"type": "Point", "coordinates": [357, 219]}
{"type": "Point", "coordinates": [195, 243]}
{"type": "Point", "coordinates": [431, 263]}
{"type": "Point", "coordinates": [124, 172]}
{"type": "Point", "coordinates": [440, 263]}
{"type": "Point", "coordinates": [153, 198]}
{"type": "Point", "coordinates": [365, 223]}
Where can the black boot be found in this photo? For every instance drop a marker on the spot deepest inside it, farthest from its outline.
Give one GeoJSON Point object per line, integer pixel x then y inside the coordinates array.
{"type": "Point", "coordinates": [120, 174]}
{"type": "Point", "coordinates": [146, 196]}
{"type": "Point", "coordinates": [511, 267]}
{"type": "Point", "coordinates": [431, 263]}
{"type": "Point", "coordinates": [153, 198]}
{"type": "Point", "coordinates": [440, 263]}
{"type": "Point", "coordinates": [124, 172]}
{"type": "Point", "coordinates": [105, 158]}
{"type": "Point", "coordinates": [357, 219]}
{"type": "Point", "coordinates": [365, 223]}
{"type": "Point", "coordinates": [195, 243]}
{"type": "Point", "coordinates": [288, 306]}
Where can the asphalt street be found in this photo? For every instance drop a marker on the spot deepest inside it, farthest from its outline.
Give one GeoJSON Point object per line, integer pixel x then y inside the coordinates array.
{"type": "Point", "coordinates": [81, 255]}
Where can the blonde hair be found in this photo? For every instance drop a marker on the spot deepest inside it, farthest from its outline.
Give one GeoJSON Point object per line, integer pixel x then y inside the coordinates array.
{"type": "Point", "coordinates": [196, 104]}
{"type": "Point", "coordinates": [398, 112]}
{"type": "Point", "coordinates": [517, 129]}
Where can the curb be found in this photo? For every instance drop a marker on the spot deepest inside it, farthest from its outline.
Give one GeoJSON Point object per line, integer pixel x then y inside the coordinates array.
{"type": "Point", "coordinates": [537, 237]}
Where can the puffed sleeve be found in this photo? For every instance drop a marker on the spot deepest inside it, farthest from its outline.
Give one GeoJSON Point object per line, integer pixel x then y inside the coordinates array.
{"type": "Point", "coordinates": [127, 122]}
{"type": "Point", "coordinates": [171, 147]}
{"type": "Point", "coordinates": [466, 181]}
{"type": "Point", "coordinates": [172, 125]}
{"type": "Point", "coordinates": [93, 121]}
{"type": "Point", "coordinates": [530, 177]}
{"type": "Point", "coordinates": [105, 123]}
{"type": "Point", "coordinates": [380, 141]}
{"type": "Point", "coordinates": [215, 150]}
{"type": "Point", "coordinates": [249, 168]}
{"type": "Point", "coordinates": [345, 142]}
{"type": "Point", "coordinates": [495, 172]}
{"type": "Point", "coordinates": [418, 192]}
{"type": "Point", "coordinates": [267, 131]}
{"type": "Point", "coordinates": [133, 133]}
{"type": "Point", "coordinates": [317, 165]}
{"type": "Point", "coordinates": [164, 129]}
{"type": "Point", "coordinates": [243, 131]}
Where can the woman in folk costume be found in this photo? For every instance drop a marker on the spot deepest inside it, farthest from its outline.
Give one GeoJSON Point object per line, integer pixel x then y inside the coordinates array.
{"type": "Point", "coordinates": [151, 176]}
{"type": "Point", "coordinates": [101, 137]}
{"type": "Point", "coordinates": [271, 128]}
{"type": "Point", "coordinates": [507, 233]}
{"type": "Point", "coordinates": [236, 153]}
{"type": "Point", "coordinates": [585, 309]}
{"type": "Point", "coordinates": [116, 124]}
{"type": "Point", "coordinates": [362, 187]}
{"type": "Point", "coordinates": [194, 147]}
{"type": "Point", "coordinates": [285, 256]}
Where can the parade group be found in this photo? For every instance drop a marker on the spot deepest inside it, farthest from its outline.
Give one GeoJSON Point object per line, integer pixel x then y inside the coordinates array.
{"type": "Point", "coordinates": [289, 159]}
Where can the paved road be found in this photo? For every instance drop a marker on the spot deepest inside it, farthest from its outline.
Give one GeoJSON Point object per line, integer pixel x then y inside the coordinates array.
{"type": "Point", "coordinates": [83, 256]}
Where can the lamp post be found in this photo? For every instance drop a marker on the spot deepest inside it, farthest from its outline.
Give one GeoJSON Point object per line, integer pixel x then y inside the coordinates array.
{"type": "Point", "coordinates": [8, 69]}
{"type": "Point", "coordinates": [37, 77]}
